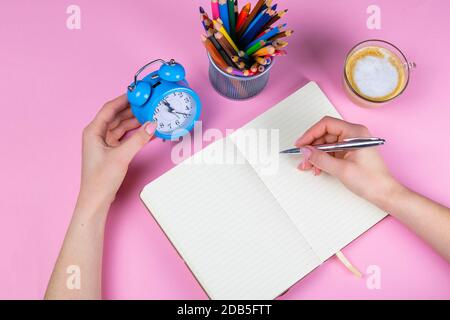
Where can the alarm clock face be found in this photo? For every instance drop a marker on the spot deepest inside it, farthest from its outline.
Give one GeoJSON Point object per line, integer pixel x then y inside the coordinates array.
{"type": "Point", "coordinates": [176, 111]}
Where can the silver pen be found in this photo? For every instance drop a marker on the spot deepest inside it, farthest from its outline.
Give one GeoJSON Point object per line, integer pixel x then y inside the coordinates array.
{"type": "Point", "coordinates": [345, 145]}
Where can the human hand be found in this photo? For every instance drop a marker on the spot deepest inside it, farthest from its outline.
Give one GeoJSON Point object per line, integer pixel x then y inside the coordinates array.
{"type": "Point", "coordinates": [106, 155]}
{"type": "Point", "coordinates": [362, 171]}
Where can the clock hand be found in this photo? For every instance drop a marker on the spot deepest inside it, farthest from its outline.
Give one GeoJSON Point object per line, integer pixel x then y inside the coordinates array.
{"type": "Point", "coordinates": [168, 106]}
{"type": "Point", "coordinates": [186, 114]}
{"type": "Point", "coordinates": [172, 110]}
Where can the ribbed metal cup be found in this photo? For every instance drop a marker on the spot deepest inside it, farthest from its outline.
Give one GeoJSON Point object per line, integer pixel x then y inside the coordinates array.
{"type": "Point", "coordinates": [237, 88]}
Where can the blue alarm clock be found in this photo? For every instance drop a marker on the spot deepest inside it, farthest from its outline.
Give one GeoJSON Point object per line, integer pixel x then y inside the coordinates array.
{"type": "Point", "coordinates": [164, 97]}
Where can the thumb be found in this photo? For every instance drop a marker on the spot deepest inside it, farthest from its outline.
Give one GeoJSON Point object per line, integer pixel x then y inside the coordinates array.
{"type": "Point", "coordinates": [138, 140]}
{"type": "Point", "coordinates": [324, 161]}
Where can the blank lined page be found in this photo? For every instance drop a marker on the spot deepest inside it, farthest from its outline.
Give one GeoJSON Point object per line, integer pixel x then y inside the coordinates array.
{"type": "Point", "coordinates": [228, 227]}
{"type": "Point", "coordinates": [326, 213]}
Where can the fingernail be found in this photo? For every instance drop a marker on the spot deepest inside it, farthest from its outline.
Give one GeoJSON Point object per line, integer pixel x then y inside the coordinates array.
{"type": "Point", "coordinates": [306, 154]}
{"type": "Point", "coordinates": [316, 171]}
{"type": "Point", "coordinates": [150, 128]}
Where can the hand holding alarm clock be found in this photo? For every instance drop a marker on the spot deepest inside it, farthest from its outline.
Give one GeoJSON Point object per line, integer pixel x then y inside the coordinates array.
{"type": "Point", "coordinates": [164, 97]}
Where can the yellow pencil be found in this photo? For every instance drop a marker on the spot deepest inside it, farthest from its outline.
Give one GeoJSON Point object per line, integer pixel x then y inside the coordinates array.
{"type": "Point", "coordinates": [218, 25]}
{"type": "Point", "coordinates": [261, 60]}
{"type": "Point", "coordinates": [267, 50]}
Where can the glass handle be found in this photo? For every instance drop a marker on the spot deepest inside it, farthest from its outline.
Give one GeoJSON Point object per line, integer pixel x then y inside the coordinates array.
{"type": "Point", "coordinates": [411, 66]}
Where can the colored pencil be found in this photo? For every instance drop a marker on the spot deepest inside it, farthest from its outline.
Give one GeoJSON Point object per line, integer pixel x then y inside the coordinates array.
{"type": "Point", "coordinates": [226, 58]}
{"type": "Point", "coordinates": [267, 50]}
{"type": "Point", "coordinates": [225, 49]}
{"type": "Point", "coordinates": [214, 54]}
{"type": "Point", "coordinates": [256, 21]}
{"type": "Point", "coordinates": [279, 53]}
{"type": "Point", "coordinates": [235, 72]}
{"type": "Point", "coordinates": [267, 35]}
{"type": "Point", "coordinates": [279, 44]}
{"type": "Point", "coordinates": [231, 17]}
{"type": "Point", "coordinates": [238, 62]}
{"type": "Point", "coordinates": [275, 18]}
{"type": "Point", "coordinates": [255, 47]}
{"type": "Point", "coordinates": [263, 33]}
{"type": "Point", "coordinates": [252, 25]}
{"type": "Point", "coordinates": [222, 40]}
{"type": "Point", "coordinates": [283, 34]}
{"type": "Point", "coordinates": [254, 67]}
{"type": "Point", "coordinates": [207, 23]}
{"type": "Point", "coordinates": [261, 60]}
{"type": "Point", "coordinates": [215, 9]}
{"type": "Point", "coordinates": [243, 15]}
{"type": "Point", "coordinates": [256, 26]}
{"type": "Point", "coordinates": [223, 10]}
{"type": "Point", "coordinates": [252, 28]}
{"type": "Point", "coordinates": [219, 27]}
{"type": "Point", "coordinates": [252, 16]}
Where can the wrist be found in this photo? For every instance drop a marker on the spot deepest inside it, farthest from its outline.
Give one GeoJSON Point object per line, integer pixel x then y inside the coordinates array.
{"type": "Point", "coordinates": [387, 193]}
{"type": "Point", "coordinates": [91, 203]}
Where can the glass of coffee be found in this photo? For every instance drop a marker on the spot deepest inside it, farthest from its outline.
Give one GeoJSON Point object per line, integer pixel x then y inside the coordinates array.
{"type": "Point", "coordinates": [375, 72]}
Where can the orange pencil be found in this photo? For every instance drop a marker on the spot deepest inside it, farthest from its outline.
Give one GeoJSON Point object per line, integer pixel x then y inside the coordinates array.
{"type": "Point", "coordinates": [215, 55]}
{"type": "Point", "coordinates": [252, 15]}
{"type": "Point", "coordinates": [243, 16]}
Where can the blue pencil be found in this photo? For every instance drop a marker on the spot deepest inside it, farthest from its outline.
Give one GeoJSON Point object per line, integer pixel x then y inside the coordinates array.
{"type": "Point", "coordinates": [257, 27]}
{"type": "Point", "coordinates": [223, 11]}
{"type": "Point", "coordinates": [252, 25]}
{"type": "Point", "coordinates": [267, 35]}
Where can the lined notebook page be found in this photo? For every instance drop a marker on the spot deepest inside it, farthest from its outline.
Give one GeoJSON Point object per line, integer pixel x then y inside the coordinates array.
{"type": "Point", "coordinates": [228, 227]}
{"type": "Point", "coordinates": [326, 213]}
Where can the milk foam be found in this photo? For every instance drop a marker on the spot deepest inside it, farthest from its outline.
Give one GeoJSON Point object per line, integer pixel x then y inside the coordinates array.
{"type": "Point", "coordinates": [375, 76]}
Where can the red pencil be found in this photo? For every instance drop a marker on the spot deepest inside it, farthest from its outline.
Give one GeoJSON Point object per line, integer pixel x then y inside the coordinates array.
{"type": "Point", "coordinates": [243, 15]}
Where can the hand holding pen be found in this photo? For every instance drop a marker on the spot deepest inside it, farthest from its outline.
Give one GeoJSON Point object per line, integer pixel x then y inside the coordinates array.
{"type": "Point", "coordinates": [330, 146]}
{"type": "Point", "coordinates": [346, 145]}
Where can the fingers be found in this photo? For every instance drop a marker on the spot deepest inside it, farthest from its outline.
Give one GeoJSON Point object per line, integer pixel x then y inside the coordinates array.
{"type": "Point", "coordinates": [328, 138]}
{"type": "Point", "coordinates": [107, 114]}
{"type": "Point", "coordinates": [121, 116]}
{"type": "Point", "coordinates": [331, 127]}
{"type": "Point", "coordinates": [137, 141]}
{"type": "Point", "coordinates": [113, 136]}
{"type": "Point", "coordinates": [323, 161]}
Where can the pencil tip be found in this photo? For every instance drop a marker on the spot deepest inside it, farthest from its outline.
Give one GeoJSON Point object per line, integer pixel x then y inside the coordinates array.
{"type": "Point", "coordinates": [202, 10]}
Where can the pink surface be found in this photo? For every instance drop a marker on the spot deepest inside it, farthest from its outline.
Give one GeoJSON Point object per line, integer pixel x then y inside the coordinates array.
{"type": "Point", "coordinates": [53, 80]}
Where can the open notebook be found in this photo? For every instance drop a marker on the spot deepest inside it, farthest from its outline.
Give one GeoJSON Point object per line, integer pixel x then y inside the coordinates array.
{"type": "Point", "coordinates": [247, 235]}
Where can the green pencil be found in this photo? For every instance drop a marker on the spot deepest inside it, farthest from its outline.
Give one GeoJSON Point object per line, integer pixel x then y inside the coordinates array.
{"type": "Point", "coordinates": [255, 47]}
{"type": "Point", "coordinates": [232, 18]}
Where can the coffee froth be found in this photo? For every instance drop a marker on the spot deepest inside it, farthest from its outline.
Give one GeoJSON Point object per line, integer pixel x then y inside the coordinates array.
{"type": "Point", "coordinates": [375, 73]}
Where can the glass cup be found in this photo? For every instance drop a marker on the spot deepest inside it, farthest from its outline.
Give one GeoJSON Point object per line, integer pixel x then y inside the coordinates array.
{"type": "Point", "coordinates": [404, 69]}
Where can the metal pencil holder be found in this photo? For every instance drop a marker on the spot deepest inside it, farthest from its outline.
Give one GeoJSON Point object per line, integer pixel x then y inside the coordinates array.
{"type": "Point", "coordinates": [234, 87]}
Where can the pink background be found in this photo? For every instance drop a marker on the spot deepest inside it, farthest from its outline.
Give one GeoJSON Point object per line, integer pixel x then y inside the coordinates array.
{"type": "Point", "coordinates": [53, 80]}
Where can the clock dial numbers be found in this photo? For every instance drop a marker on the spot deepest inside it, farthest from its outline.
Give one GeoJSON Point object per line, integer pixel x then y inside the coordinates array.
{"type": "Point", "coordinates": [174, 111]}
